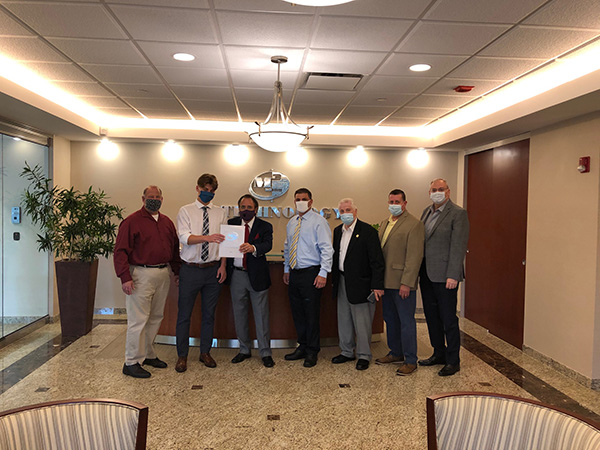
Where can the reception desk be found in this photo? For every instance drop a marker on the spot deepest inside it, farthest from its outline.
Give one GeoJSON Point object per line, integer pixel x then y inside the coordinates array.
{"type": "Point", "coordinates": [283, 332]}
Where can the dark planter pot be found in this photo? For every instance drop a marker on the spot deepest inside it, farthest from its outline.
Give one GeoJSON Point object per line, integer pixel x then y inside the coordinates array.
{"type": "Point", "coordinates": [76, 282]}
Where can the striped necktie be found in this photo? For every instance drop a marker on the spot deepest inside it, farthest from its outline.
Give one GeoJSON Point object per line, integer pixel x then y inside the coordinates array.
{"type": "Point", "coordinates": [294, 246]}
{"type": "Point", "coordinates": [205, 231]}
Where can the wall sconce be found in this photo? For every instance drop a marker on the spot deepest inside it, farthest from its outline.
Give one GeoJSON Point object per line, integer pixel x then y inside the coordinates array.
{"type": "Point", "coordinates": [172, 151]}
{"type": "Point", "coordinates": [358, 157]}
{"type": "Point", "coordinates": [297, 156]}
{"type": "Point", "coordinates": [236, 154]}
{"type": "Point", "coordinates": [107, 150]}
{"type": "Point", "coordinates": [418, 158]}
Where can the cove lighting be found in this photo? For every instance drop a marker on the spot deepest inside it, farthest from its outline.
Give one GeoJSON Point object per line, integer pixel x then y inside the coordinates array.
{"type": "Point", "coordinates": [236, 155]}
{"type": "Point", "coordinates": [358, 157]}
{"type": "Point", "coordinates": [108, 150]}
{"type": "Point", "coordinates": [297, 156]}
{"type": "Point", "coordinates": [318, 2]}
{"type": "Point", "coordinates": [418, 158]}
{"type": "Point", "coordinates": [420, 67]}
{"type": "Point", "coordinates": [172, 151]}
{"type": "Point", "coordinates": [186, 57]}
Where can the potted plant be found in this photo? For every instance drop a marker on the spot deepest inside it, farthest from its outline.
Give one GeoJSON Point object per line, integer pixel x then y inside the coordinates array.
{"type": "Point", "coordinates": [78, 227]}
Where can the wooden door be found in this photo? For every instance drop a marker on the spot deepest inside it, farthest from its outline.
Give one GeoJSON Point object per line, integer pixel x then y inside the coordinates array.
{"type": "Point", "coordinates": [497, 205]}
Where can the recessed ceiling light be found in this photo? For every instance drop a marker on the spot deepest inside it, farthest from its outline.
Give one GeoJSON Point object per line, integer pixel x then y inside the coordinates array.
{"type": "Point", "coordinates": [382, 99]}
{"type": "Point", "coordinates": [420, 67]}
{"type": "Point", "coordinates": [183, 57]}
{"type": "Point", "coordinates": [317, 2]}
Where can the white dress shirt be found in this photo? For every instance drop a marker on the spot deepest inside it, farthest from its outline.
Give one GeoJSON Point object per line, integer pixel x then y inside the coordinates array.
{"type": "Point", "coordinates": [239, 262]}
{"type": "Point", "coordinates": [190, 220]}
{"type": "Point", "coordinates": [345, 241]}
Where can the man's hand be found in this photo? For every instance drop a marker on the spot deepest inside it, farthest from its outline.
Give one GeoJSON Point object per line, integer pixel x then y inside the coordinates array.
{"type": "Point", "coordinates": [128, 287]}
{"type": "Point", "coordinates": [222, 273]}
{"type": "Point", "coordinates": [451, 283]}
{"type": "Point", "coordinates": [286, 278]}
{"type": "Point", "coordinates": [218, 238]}
{"type": "Point", "coordinates": [320, 282]}
{"type": "Point", "coordinates": [247, 248]}
{"type": "Point", "coordinates": [378, 294]}
{"type": "Point", "coordinates": [404, 291]}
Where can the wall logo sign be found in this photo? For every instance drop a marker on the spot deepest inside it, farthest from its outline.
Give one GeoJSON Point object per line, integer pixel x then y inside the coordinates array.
{"type": "Point", "coordinates": [269, 185]}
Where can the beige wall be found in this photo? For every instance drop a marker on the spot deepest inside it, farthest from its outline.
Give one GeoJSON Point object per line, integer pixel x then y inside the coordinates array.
{"type": "Point", "coordinates": [327, 174]}
{"type": "Point", "coordinates": [561, 294]}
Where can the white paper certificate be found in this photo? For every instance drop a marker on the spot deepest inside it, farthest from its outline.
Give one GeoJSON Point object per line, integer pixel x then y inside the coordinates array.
{"type": "Point", "coordinates": [234, 237]}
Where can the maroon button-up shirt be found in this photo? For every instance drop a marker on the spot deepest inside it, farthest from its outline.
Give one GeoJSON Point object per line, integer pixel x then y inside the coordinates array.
{"type": "Point", "coordinates": [144, 240]}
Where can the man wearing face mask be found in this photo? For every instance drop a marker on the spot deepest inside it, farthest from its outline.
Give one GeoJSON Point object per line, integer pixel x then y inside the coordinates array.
{"type": "Point", "coordinates": [402, 237]}
{"type": "Point", "coordinates": [250, 281]}
{"type": "Point", "coordinates": [199, 230]}
{"type": "Point", "coordinates": [357, 275]}
{"type": "Point", "coordinates": [145, 247]}
{"type": "Point", "coordinates": [307, 255]}
{"type": "Point", "coordinates": [446, 236]}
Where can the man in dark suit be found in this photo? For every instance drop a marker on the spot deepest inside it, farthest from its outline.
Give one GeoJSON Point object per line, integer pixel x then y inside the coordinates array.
{"type": "Point", "coordinates": [357, 271]}
{"type": "Point", "coordinates": [250, 281]}
{"type": "Point", "coordinates": [446, 236]}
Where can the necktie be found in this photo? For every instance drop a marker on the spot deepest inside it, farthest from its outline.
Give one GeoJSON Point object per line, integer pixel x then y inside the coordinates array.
{"type": "Point", "coordinates": [294, 246]}
{"type": "Point", "coordinates": [246, 236]}
{"type": "Point", "coordinates": [205, 231]}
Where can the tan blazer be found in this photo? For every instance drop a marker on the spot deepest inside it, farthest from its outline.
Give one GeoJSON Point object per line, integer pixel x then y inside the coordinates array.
{"type": "Point", "coordinates": [403, 251]}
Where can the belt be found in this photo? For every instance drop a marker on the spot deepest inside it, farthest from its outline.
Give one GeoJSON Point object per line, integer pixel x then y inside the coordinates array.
{"type": "Point", "coordinates": [305, 269]}
{"type": "Point", "coordinates": [150, 266]}
{"type": "Point", "coordinates": [201, 265]}
{"type": "Point", "coordinates": [240, 268]}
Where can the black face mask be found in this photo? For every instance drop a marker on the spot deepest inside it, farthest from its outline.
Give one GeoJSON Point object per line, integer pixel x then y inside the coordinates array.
{"type": "Point", "coordinates": [247, 215]}
{"type": "Point", "coordinates": [153, 204]}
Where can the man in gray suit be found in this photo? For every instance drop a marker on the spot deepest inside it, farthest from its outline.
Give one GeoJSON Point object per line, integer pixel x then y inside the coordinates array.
{"type": "Point", "coordinates": [446, 236]}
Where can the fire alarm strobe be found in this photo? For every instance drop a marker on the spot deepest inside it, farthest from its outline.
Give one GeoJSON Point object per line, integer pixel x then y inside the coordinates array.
{"type": "Point", "coordinates": [584, 164]}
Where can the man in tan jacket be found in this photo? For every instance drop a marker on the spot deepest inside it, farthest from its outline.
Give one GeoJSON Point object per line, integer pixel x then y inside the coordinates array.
{"type": "Point", "coordinates": [402, 240]}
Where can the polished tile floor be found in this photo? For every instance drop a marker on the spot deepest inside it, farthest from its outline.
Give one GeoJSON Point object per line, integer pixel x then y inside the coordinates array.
{"type": "Point", "coordinates": [247, 406]}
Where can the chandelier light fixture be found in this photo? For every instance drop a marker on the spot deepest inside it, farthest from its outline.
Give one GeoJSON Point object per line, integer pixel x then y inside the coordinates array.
{"type": "Point", "coordinates": [318, 2]}
{"type": "Point", "coordinates": [279, 133]}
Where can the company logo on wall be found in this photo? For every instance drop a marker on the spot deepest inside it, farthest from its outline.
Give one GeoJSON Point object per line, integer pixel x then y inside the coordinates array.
{"type": "Point", "coordinates": [269, 185]}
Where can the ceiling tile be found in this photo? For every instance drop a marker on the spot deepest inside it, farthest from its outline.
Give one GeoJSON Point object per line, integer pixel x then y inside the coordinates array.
{"type": "Point", "coordinates": [123, 74]}
{"type": "Point", "coordinates": [375, 34]}
{"type": "Point", "coordinates": [376, 112]}
{"type": "Point", "coordinates": [370, 98]}
{"type": "Point", "coordinates": [399, 64]}
{"type": "Point", "coordinates": [121, 112]}
{"type": "Point", "coordinates": [450, 38]}
{"type": "Point", "coordinates": [166, 114]}
{"type": "Point", "coordinates": [167, 24]}
{"type": "Point", "coordinates": [507, 11]}
{"type": "Point", "coordinates": [252, 112]}
{"type": "Point", "coordinates": [319, 97]}
{"type": "Point", "coordinates": [358, 121]}
{"type": "Point", "coordinates": [492, 68]}
{"type": "Point", "coordinates": [396, 9]}
{"type": "Point", "coordinates": [263, 5]}
{"type": "Point", "coordinates": [9, 27]}
{"type": "Point", "coordinates": [59, 71]}
{"type": "Point", "coordinates": [79, 88]}
{"type": "Point", "coordinates": [165, 3]}
{"type": "Point", "coordinates": [221, 94]}
{"type": "Point", "coordinates": [446, 86]}
{"type": "Point", "coordinates": [314, 119]}
{"type": "Point", "coordinates": [568, 13]}
{"type": "Point", "coordinates": [161, 54]}
{"type": "Point", "coordinates": [28, 49]}
{"type": "Point", "coordinates": [403, 122]}
{"type": "Point", "coordinates": [403, 85]}
{"type": "Point", "coordinates": [203, 110]}
{"type": "Point", "coordinates": [440, 101]}
{"type": "Point", "coordinates": [259, 58]}
{"type": "Point", "coordinates": [342, 61]}
{"type": "Point", "coordinates": [67, 20]}
{"type": "Point", "coordinates": [103, 102]}
{"type": "Point", "coordinates": [154, 103]}
{"type": "Point", "coordinates": [140, 90]}
{"type": "Point", "coordinates": [421, 113]}
{"type": "Point", "coordinates": [306, 110]}
{"type": "Point", "coordinates": [275, 30]}
{"type": "Point", "coordinates": [535, 42]}
{"type": "Point", "coordinates": [95, 51]}
{"type": "Point", "coordinates": [194, 76]}
{"type": "Point", "coordinates": [260, 95]}
{"type": "Point", "coordinates": [262, 79]}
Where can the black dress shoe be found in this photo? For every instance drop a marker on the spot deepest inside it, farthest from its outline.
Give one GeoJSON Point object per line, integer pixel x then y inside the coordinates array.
{"type": "Point", "coordinates": [155, 362]}
{"type": "Point", "coordinates": [310, 361]}
{"type": "Point", "coordinates": [432, 361]}
{"type": "Point", "coordinates": [362, 364]}
{"type": "Point", "coordinates": [136, 371]}
{"type": "Point", "coordinates": [240, 357]}
{"type": "Point", "coordinates": [296, 354]}
{"type": "Point", "coordinates": [339, 359]}
{"type": "Point", "coordinates": [268, 361]}
{"type": "Point", "coordinates": [448, 370]}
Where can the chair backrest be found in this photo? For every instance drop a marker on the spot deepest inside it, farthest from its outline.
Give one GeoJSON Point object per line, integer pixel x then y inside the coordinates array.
{"type": "Point", "coordinates": [99, 424]}
{"type": "Point", "coordinates": [478, 420]}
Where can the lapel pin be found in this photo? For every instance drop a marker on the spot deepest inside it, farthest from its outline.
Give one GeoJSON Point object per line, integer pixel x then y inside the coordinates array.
{"type": "Point", "coordinates": [357, 235]}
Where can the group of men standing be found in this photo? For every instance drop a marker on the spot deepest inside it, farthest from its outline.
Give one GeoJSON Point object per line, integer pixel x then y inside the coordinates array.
{"type": "Point", "coordinates": [366, 266]}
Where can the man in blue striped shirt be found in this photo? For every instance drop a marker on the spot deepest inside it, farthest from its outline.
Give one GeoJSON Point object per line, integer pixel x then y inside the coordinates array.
{"type": "Point", "coordinates": [308, 257]}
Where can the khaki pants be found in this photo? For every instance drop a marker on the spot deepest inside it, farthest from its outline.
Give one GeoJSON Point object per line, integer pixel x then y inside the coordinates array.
{"type": "Point", "coordinates": [145, 309]}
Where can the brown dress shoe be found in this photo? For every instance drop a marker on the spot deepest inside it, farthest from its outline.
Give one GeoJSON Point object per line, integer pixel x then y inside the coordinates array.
{"type": "Point", "coordinates": [390, 359]}
{"type": "Point", "coordinates": [208, 360]}
{"type": "Point", "coordinates": [181, 365]}
{"type": "Point", "coordinates": [406, 369]}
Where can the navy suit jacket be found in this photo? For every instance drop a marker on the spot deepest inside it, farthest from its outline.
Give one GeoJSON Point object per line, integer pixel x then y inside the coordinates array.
{"type": "Point", "coordinates": [364, 266]}
{"type": "Point", "coordinates": [261, 236]}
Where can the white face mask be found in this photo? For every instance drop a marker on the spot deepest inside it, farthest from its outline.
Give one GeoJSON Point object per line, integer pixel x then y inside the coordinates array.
{"type": "Point", "coordinates": [302, 206]}
{"type": "Point", "coordinates": [437, 197]}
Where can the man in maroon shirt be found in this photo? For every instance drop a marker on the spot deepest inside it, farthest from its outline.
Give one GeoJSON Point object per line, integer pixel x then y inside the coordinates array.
{"type": "Point", "coordinates": [146, 244]}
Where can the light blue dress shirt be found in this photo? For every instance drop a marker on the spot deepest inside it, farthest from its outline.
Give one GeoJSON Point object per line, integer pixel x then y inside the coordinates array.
{"type": "Point", "coordinates": [314, 243]}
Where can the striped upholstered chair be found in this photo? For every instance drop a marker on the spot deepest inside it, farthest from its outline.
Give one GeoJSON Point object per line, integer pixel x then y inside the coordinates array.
{"type": "Point", "coordinates": [98, 424]}
{"type": "Point", "coordinates": [484, 421]}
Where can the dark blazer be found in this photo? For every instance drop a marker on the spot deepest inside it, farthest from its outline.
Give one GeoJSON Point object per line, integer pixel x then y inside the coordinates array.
{"type": "Point", "coordinates": [363, 266]}
{"type": "Point", "coordinates": [261, 236]}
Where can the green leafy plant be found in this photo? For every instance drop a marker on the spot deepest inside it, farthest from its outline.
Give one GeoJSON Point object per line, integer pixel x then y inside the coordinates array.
{"type": "Point", "coordinates": [75, 225]}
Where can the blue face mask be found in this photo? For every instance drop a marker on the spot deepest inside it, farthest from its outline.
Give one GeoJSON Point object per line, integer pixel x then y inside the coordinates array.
{"type": "Point", "coordinates": [396, 210]}
{"type": "Point", "coordinates": [206, 197]}
{"type": "Point", "coordinates": [347, 218]}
